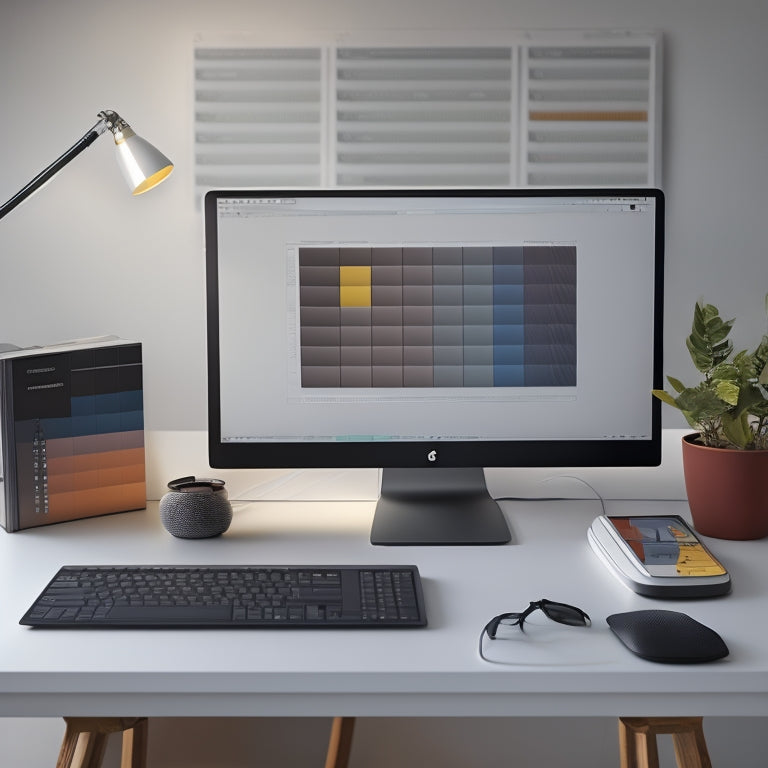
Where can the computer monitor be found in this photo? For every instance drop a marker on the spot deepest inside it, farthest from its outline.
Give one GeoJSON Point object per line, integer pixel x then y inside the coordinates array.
{"type": "Point", "coordinates": [432, 333]}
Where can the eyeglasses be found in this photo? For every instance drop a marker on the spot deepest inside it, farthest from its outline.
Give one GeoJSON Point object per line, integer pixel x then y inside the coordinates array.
{"type": "Point", "coordinates": [559, 612]}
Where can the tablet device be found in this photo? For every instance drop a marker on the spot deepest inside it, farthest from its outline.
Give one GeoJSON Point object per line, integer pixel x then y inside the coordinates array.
{"type": "Point", "coordinates": [658, 556]}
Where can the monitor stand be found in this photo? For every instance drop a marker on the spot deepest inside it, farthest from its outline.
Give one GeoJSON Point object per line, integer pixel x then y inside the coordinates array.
{"type": "Point", "coordinates": [437, 506]}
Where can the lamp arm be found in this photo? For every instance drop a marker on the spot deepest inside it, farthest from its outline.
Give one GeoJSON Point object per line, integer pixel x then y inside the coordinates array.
{"type": "Point", "coordinates": [49, 172]}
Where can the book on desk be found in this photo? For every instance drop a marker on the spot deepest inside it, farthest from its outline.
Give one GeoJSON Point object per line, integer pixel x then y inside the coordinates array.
{"type": "Point", "coordinates": [71, 432]}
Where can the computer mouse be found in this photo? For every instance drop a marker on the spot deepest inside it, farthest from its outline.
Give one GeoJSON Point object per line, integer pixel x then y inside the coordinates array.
{"type": "Point", "coordinates": [670, 637]}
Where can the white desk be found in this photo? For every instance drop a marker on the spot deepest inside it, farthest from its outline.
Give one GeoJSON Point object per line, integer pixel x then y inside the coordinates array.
{"type": "Point", "coordinates": [554, 670]}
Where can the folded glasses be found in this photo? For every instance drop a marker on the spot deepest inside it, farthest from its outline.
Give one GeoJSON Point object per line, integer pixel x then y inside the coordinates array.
{"type": "Point", "coordinates": [559, 612]}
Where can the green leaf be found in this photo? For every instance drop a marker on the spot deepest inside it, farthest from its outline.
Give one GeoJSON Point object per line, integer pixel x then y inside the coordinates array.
{"type": "Point", "coordinates": [720, 352]}
{"type": "Point", "coordinates": [702, 315]}
{"type": "Point", "coordinates": [717, 329]}
{"type": "Point", "coordinates": [750, 397]}
{"type": "Point", "coordinates": [760, 410]}
{"type": "Point", "coordinates": [761, 353]}
{"type": "Point", "coordinates": [763, 376]}
{"type": "Point", "coordinates": [728, 392]}
{"type": "Point", "coordinates": [676, 384]}
{"type": "Point", "coordinates": [737, 430]}
{"type": "Point", "coordinates": [725, 372]}
{"type": "Point", "coordinates": [665, 397]}
{"type": "Point", "coordinates": [700, 354]}
{"type": "Point", "coordinates": [707, 343]}
{"type": "Point", "coordinates": [702, 403]}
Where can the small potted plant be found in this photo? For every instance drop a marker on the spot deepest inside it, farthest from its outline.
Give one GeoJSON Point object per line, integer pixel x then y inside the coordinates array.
{"type": "Point", "coordinates": [725, 462]}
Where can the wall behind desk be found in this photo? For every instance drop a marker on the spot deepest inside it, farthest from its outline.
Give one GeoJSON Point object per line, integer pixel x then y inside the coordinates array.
{"type": "Point", "coordinates": [83, 258]}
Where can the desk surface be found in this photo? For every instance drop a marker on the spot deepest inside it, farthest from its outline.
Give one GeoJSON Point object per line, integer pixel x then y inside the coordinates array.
{"type": "Point", "coordinates": [551, 670]}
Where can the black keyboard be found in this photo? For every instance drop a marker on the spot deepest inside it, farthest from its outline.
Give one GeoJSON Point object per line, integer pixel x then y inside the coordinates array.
{"type": "Point", "coordinates": [147, 596]}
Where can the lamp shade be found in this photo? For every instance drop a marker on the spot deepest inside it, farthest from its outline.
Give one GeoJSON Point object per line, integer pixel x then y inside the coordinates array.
{"type": "Point", "coordinates": [143, 165]}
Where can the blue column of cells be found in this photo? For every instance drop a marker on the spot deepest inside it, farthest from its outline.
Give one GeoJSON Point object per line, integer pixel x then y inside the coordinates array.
{"type": "Point", "coordinates": [508, 317]}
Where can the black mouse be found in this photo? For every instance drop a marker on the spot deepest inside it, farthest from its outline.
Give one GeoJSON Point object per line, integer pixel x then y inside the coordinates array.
{"type": "Point", "coordinates": [669, 637]}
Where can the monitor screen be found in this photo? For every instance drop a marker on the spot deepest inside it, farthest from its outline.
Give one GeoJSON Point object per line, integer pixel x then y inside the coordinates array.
{"type": "Point", "coordinates": [434, 332]}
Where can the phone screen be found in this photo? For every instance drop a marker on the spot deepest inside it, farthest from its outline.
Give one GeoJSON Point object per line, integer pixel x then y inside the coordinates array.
{"type": "Point", "coordinates": [666, 546]}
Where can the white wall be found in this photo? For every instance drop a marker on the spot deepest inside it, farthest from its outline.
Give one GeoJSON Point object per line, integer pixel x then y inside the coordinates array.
{"type": "Point", "coordinates": [82, 258]}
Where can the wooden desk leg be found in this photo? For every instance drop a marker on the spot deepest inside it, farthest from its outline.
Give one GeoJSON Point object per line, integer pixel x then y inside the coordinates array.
{"type": "Point", "coordinates": [135, 742]}
{"type": "Point", "coordinates": [81, 749]}
{"type": "Point", "coordinates": [636, 748]}
{"type": "Point", "coordinates": [637, 741]}
{"type": "Point", "coordinates": [340, 742]}
{"type": "Point", "coordinates": [85, 741]}
{"type": "Point", "coordinates": [691, 748]}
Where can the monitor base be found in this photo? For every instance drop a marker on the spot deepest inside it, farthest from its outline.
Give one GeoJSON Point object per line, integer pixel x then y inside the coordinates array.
{"type": "Point", "coordinates": [438, 506]}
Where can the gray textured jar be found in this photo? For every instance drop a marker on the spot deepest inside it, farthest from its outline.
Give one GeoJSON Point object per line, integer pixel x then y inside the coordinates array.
{"type": "Point", "coordinates": [196, 508]}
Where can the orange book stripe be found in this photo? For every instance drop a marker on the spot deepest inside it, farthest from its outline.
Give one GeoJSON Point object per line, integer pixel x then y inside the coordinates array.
{"type": "Point", "coordinates": [89, 461]}
{"type": "Point", "coordinates": [97, 501]}
{"type": "Point", "coordinates": [95, 478]}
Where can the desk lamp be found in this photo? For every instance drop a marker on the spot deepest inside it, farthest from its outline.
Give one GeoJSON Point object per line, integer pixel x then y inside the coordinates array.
{"type": "Point", "coordinates": [142, 165]}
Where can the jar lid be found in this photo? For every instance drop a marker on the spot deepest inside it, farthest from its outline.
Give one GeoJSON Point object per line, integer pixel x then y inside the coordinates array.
{"type": "Point", "coordinates": [192, 484]}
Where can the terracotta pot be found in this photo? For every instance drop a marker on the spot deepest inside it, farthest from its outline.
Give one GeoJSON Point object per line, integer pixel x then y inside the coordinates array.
{"type": "Point", "coordinates": [727, 490]}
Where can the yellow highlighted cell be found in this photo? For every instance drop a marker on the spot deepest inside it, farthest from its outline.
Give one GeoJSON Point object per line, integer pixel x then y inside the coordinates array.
{"type": "Point", "coordinates": [355, 286]}
{"type": "Point", "coordinates": [355, 296]}
{"type": "Point", "coordinates": [355, 276]}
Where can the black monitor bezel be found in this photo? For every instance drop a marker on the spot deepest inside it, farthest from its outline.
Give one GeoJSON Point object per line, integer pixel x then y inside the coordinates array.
{"type": "Point", "coordinates": [522, 453]}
